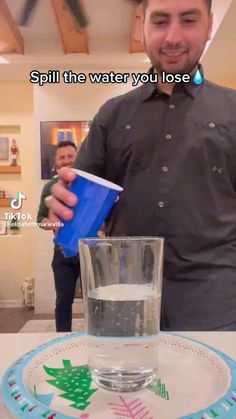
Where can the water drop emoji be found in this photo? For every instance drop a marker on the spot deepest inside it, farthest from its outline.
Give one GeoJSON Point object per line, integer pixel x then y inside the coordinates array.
{"type": "Point", "coordinates": [198, 79]}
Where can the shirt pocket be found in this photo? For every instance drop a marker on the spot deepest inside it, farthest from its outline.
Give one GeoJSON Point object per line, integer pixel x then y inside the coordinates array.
{"type": "Point", "coordinates": [215, 144]}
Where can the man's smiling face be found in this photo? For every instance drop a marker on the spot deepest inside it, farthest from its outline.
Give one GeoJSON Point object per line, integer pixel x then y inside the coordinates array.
{"type": "Point", "coordinates": [175, 33]}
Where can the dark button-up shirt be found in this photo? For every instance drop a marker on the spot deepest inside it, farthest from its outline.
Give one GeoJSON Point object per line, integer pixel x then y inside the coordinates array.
{"type": "Point", "coordinates": [175, 157]}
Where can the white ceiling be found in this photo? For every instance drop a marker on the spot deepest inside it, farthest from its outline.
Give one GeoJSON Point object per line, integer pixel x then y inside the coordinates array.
{"type": "Point", "coordinates": [109, 38]}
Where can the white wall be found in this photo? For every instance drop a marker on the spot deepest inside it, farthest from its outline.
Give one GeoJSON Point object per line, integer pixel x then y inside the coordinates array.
{"type": "Point", "coordinates": [17, 252]}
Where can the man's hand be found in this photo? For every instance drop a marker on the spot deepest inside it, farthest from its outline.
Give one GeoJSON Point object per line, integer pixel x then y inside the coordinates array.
{"type": "Point", "coordinates": [58, 211]}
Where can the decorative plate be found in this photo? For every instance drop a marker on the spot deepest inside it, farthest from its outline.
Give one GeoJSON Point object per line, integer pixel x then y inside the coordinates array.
{"type": "Point", "coordinates": [53, 381]}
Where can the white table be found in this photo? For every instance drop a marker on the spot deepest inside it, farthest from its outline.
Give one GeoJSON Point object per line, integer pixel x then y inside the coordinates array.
{"type": "Point", "coordinates": [15, 345]}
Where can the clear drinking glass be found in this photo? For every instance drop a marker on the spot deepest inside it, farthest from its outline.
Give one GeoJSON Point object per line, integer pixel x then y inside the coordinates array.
{"type": "Point", "coordinates": [122, 284]}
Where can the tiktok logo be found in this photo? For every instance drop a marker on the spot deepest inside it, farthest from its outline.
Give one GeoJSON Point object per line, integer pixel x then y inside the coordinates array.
{"type": "Point", "coordinates": [16, 203]}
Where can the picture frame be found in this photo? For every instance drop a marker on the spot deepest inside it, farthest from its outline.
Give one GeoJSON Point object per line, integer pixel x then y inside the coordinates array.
{"type": "Point", "coordinates": [3, 227]}
{"type": "Point", "coordinates": [4, 148]}
{"type": "Point", "coordinates": [54, 132]}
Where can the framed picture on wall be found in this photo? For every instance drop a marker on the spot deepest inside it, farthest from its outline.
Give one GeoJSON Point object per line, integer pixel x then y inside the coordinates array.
{"type": "Point", "coordinates": [3, 227]}
{"type": "Point", "coordinates": [53, 133]}
{"type": "Point", "coordinates": [4, 148]}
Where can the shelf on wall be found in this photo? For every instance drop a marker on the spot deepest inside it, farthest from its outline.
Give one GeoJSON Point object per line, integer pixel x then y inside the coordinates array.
{"type": "Point", "coordinates": [10, 169]}
{"type": "Point", "coordinates": [10, 235]}
{"type": "Point", "coordinates": [5, 202]}
{"type": "Point", "coordinates": [10, 129]}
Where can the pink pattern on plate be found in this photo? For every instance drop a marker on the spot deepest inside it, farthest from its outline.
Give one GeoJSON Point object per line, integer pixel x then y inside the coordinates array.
{"type": "Point", "coordinates": [134, 409]}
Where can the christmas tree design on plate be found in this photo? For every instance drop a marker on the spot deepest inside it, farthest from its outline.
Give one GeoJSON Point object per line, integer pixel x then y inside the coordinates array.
{"type": "Point", "coordinates": [159, 389]}
{"type": "Point", "coordinates": [45, 399]}
{"type": "Point", "coordinates": [74, 381]}
{"type": "Point", "coordinates": [133, 409]}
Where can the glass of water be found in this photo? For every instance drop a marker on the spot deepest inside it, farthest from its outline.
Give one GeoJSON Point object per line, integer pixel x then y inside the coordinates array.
{"type": "Point", "coordinates": [122, 284]}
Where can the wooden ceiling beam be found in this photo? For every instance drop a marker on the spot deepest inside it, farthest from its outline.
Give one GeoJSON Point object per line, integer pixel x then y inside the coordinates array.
{"type": "Point", "coordinates": [74, 38]}
{"type": "Point", "coordinates": [11, 41]}
{"type": "Point", "coordinates": [136, 43]}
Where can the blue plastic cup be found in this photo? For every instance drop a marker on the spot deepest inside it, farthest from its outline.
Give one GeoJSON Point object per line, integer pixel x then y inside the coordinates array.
{"type": "Point", "coordinates": [96, 196]}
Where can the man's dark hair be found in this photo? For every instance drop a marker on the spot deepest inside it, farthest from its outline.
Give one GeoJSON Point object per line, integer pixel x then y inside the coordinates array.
{"type": "Point", "coordinates": [66, 144]}
{"type": "Point", "coordinates": [208, 3]}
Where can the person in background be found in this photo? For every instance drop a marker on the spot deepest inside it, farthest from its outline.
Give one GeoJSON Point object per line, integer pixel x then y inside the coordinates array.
{"type": "Point", "coordinates": [172, 147]}
{"type": "Point", "coordinates": [66, 270]}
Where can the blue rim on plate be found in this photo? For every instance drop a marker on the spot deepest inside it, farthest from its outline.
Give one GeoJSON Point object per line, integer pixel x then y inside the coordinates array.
{"type": "Point", "coordinates": [22, 404]}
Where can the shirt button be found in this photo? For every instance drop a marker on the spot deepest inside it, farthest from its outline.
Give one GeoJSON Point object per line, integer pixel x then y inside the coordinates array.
{"type": "Point", "coordinates": [171, 106]}
{"type": "Point", "coordinates": [168, 136]}
{"type": "Point", "coordinates": [128, 126]}
{"type": "Point", "coordinates": [165, 169]}
{"type": "Point", "coordinates": [212, 125]}
{"type": "Point", "coordinates": [161, 204]}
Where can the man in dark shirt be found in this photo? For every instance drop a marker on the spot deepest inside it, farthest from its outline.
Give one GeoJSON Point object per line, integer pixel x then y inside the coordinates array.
{"type": "Point", "coordinates": [66, 270]}
{"type": "Point", "coordinates": [173, 150]}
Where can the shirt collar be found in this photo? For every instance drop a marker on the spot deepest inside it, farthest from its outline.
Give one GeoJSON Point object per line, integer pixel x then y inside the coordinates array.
{"type": "Point", "coordinates": [150, 89]}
